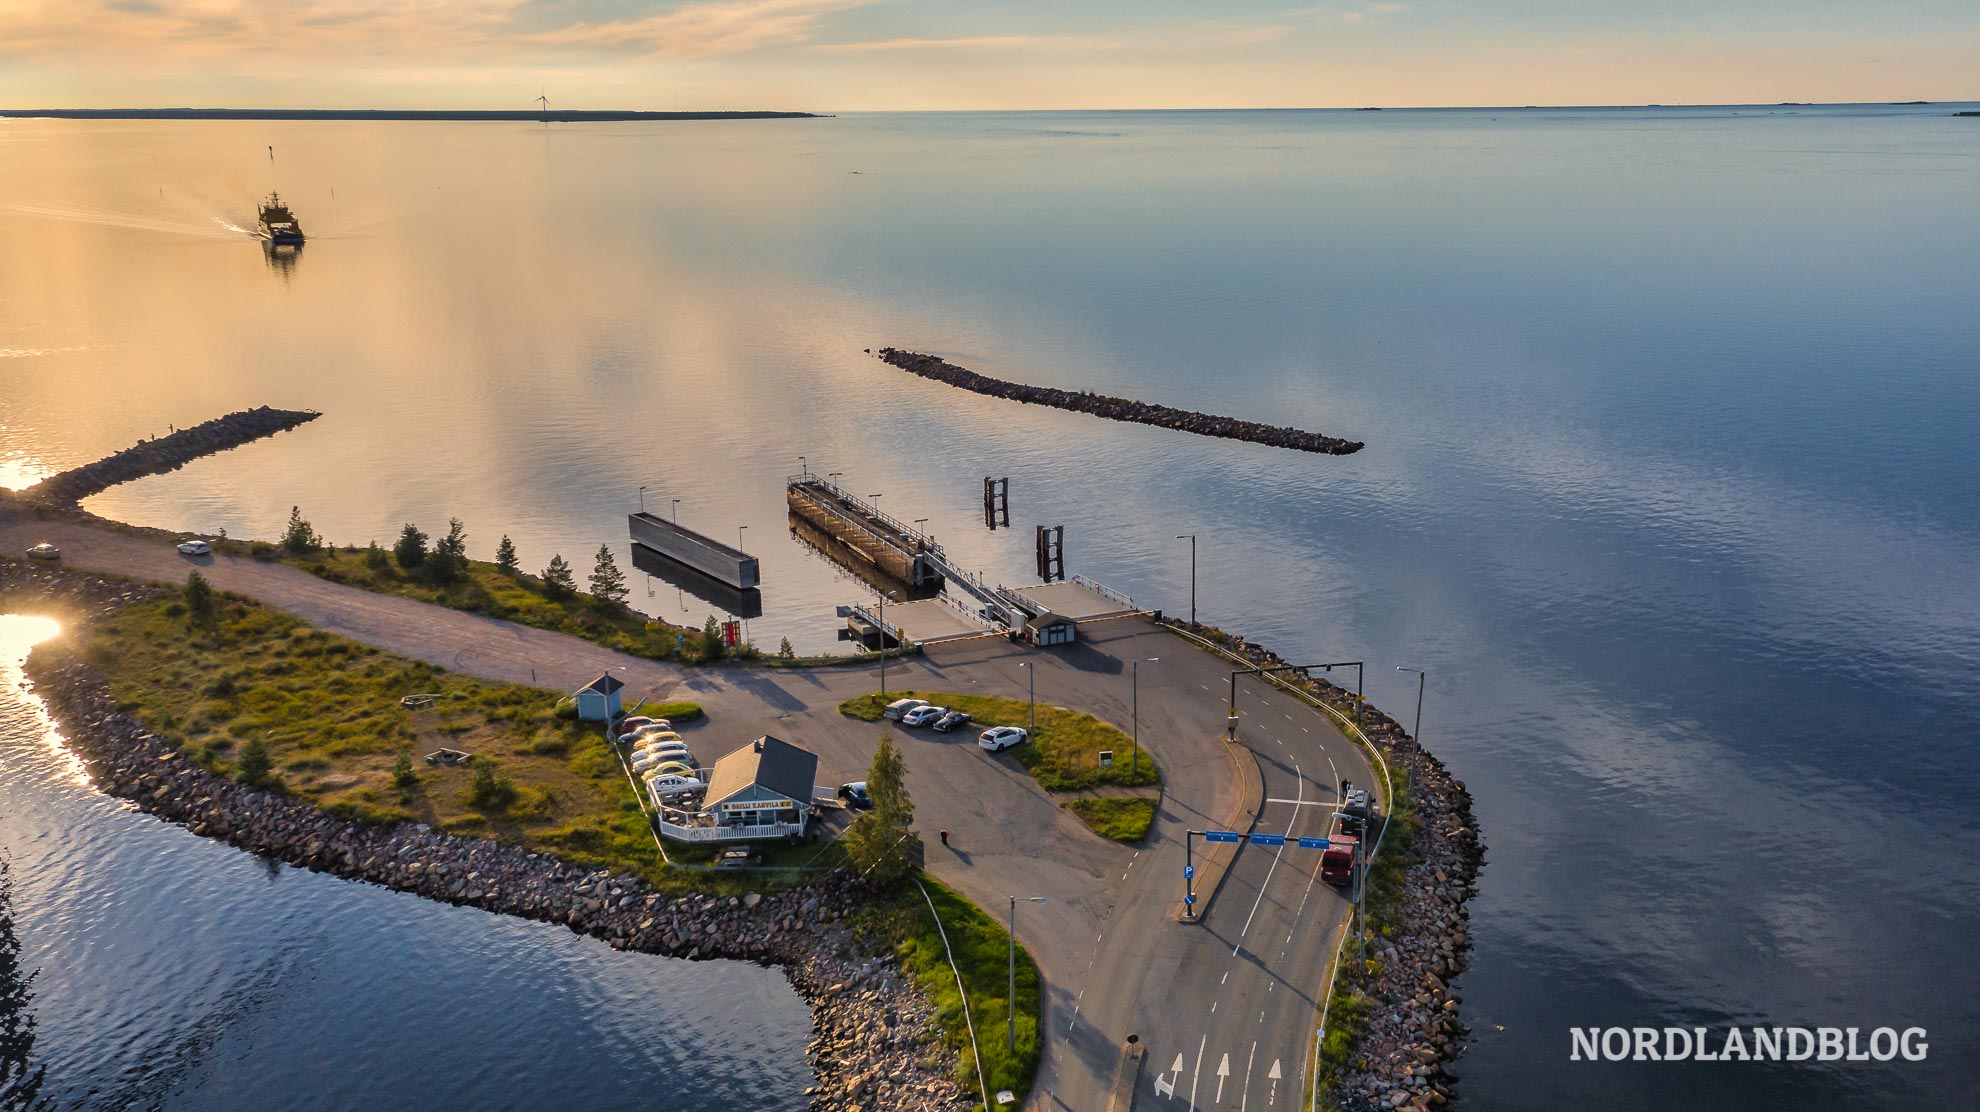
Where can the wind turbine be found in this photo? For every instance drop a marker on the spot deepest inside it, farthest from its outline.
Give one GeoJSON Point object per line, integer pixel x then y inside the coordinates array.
{"type": "Point", "coordinates": [545, 102]}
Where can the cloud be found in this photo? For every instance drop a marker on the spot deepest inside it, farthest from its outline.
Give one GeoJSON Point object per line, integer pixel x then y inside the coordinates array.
{"type": "Point", "coordinates": [708, 28]}
{"type": "Point", "coordinates": [1348, 16]}
{"type": "Point", "coordinates": [1192, 37]}
{"type": "Point", "coordinates": [447, 32]}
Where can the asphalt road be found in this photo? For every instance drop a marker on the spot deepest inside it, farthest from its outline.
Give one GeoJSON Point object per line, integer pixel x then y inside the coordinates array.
{"type": "Point", "coordinates": [1233, 996]}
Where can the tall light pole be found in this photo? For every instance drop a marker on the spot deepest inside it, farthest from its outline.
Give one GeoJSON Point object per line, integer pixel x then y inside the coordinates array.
{"type": "Point", "coordinates": [1421, 675]}
{"type": "Point", "coordinates": [1192, 576]}
{"type": "Point", "coordinates": [1033, 673]}
{"type": "Point", "coordinates": [642, 499]}
{"type": "Point", "coordinates": [1134, 698]}
{"type": "Point", "coordinates": [677, 511]}
{"type": "Point", "coordinates": [1011, 1001]}
{"type": "Point", "coordinates": [884, 596]}
{"type": "Point", "coordinates": [739, 533]}
{"type": "Point", "coordinates": [921, 527]}
{"type": "Point", "coordinates": [803, 467]}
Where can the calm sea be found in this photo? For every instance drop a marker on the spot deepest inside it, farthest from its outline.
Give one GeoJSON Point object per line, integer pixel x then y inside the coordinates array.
{"type": "Point", "coordinates": [1671, 480]}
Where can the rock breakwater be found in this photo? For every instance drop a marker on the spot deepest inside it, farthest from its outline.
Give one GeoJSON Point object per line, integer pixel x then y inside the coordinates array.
{"type": "Point", "coordinates": [158, 455]}
{"type": "Point", "coordinates": [875, 1043]}
{"type": "Point", "coordinates": [1117, 409]}
{"type": "Point", "coordinates": [1414, 1031]}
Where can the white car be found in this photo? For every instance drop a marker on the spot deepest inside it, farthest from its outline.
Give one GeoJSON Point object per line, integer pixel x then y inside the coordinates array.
{"type": "Point", "coordinates": [923, 715]}
{"type": "Point", "coordinates": [628, 725]}
{"type": "Point", "coordinates": [44, 551]}
{"type": "Point", "coordinates": [998, 738]}
{"type": "Point", "coordinates": [195, 547]}
{"type": "Point", "coordinates": [654, 758]}
{"type": "Point", "coordinates": [657, 726]}
{"type": "Point", "coordinates": [662, 748]}
{"type": "Point", "coordinates": [672, 784]}
{"type": "Point", "coordinates": [900, 707]}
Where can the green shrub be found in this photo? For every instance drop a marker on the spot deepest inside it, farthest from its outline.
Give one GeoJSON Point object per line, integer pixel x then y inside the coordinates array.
{"type": "Point", "coordinates": [491, 791]}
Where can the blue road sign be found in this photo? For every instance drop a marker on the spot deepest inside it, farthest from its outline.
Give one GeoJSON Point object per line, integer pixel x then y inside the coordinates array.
{"type": "Point", "coordinates": [1189, 872]}
{"type": "Point", "coordinates": [1313, 843]}
{"type": "Point", "coordinates": [1189, 900]}
{"type": "Point", "coordinates": [1221, 836]}
{"type": "Point", "coordinates": [1268, 839]}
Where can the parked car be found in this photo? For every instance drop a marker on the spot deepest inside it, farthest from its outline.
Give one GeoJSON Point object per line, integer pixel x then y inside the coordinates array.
{"type": "Point", "coordinates": [656, 726]}
{"type": "Point", "coordinates": [195, 547]}
{"type": "Point", "coordinates": [646, 739]}
{"type": "Point", "coordinates": [628, 725]}
{"type": "Point", "coordinates": [663, 749]}
{"type": "Point", "coordinates": [855, 797]}
{"type": "Point", "coordinates": [900, 707]}
{"type": "Point", "coordinates": [663, 785]}
{"type": "Point", "coordinates": [998, 738]}
{"type": "Point", "coordinates": [44, 551]}
{"type": "Point", "coordinates": [674, 768]}
{"type": "Point", "coordinates": [923, 715]}
{"type": "Point", "coordinates": [654, 758]}
{"type": "Point", "coordinates": [951, 720]}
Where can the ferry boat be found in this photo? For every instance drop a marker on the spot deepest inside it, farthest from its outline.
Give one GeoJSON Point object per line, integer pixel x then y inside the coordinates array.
{"type": "Point", "coordinates": [278, 224]}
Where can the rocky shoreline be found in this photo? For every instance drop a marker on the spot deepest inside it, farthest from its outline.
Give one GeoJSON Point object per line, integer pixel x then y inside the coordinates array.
{"type": "Point", "coordinates": [874, 1045]}
{"type": "Point", "coordinates": [1414, 1031]}
{"type": "Point", "coordinates": [157, 455]}
{"type": "Point", "coordinates": [1116, 409]}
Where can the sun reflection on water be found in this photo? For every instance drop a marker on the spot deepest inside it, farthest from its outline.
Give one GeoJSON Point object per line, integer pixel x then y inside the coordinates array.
{"type": "Point", "coordinates": [18, 634]}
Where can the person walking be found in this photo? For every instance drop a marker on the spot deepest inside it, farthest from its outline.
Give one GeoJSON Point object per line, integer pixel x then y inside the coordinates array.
{"type": "Point", "coordinates": [945, 837]}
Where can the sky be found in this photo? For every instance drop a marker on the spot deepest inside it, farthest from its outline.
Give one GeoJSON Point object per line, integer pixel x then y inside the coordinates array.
{"type": "Point", "coordinates": [851, 55]}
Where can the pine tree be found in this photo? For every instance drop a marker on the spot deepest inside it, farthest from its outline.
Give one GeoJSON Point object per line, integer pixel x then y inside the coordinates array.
{"type": "Point", "coordinates": [449, 556]}
{"type": "Point", "coordinates": [505, 556]}
{"type": "Point", "coordinates": [608, 583]}
{"type": "Point", "coordinates": [879, 842]}
{"type": "Point", "coordinates": [300, 539]}
{"type": "Point", "coordinates": [558, 582]}
{"type": "Point", "coordinates": [410, 552]}
{"type": "Point", "coordinates": [201, 599]}
{"type": "Point", "coordinates": [254, 766]}
{"type": "Point", "coordinates": [785, 651]}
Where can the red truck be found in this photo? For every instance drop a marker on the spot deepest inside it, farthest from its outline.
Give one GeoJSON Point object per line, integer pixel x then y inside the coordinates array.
{"type": "Point", "coordinates": [1344, 840]}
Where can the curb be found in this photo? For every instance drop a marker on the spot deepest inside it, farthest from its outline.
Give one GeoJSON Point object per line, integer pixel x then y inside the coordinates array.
{"type": "Point", "coordinates": [1217, 862]}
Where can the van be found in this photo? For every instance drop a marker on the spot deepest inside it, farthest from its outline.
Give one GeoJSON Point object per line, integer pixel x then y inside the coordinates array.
{"type": "Point", "coordinates": [899, 708]}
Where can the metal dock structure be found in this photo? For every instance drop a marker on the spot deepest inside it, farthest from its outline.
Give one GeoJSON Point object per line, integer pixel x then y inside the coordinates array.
{"type": "Point", "coordinates": [724, 563]}
{"type": "Point", "coordinates": [898, 551]}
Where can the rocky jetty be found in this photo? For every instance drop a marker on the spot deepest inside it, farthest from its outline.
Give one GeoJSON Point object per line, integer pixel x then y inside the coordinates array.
{"type": "Point", "coordinates": [1117, 409]}
{"type": "Point", "coordinates": [875, 1044]}
{"type": "Point", "coordinates": [1414, 1031]}
{"type": "Point", "coordinates": [160, 454]}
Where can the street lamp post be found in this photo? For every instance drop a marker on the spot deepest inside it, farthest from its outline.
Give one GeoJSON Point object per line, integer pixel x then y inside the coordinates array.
{"type": "Point", "coordinates": [1010, 1002]}
{"type": "Point", "coordinates": [1033, 673]}
{"type": "Point", "coordinates": [642, 499]}
{"type": "Point", "coordinates": [1192, 576]}
{"type": "Point", "coordinates": [1134, 715]}
{"type": "Point", "coordinates": [883, 641]}
{"type": "Point", "coordinates": [1421, 675]}
{"type": "Point", "coordinates": [739, 533]}
{"type": "Point", "coordinates": [677, 511]}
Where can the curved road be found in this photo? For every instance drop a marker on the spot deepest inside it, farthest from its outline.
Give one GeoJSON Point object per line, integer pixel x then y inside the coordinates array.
{"type": "Point", "coordinates": [1220, 1005]}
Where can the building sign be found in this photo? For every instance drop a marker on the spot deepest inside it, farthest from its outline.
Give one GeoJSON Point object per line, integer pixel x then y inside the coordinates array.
{"type": "Point", "coordinates": [766, 805]}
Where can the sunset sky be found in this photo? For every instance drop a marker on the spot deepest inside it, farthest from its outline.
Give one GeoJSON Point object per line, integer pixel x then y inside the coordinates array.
{"type": "Point", "coordinates": [844, 55]}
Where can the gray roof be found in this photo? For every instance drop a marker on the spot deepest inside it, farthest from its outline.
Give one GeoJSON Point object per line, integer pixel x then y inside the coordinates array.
{"type": "Point", "coordinates": [604, 685]}
{"type": "Point", "coordinates": [766, 762]}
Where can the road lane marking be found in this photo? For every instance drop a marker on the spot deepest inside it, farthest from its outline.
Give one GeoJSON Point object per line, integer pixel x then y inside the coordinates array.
{"type": "Point", "coordinates": [1274, 1078]}
{"type": "Point", "coordinates": [1196, 1074]}
{"type": "Point", "coordinates": [1300, 790]}
{"type": "Point", "coordinates": [1223, 1071]}
{"type": "Point", "coordinates": [1244, 1097]}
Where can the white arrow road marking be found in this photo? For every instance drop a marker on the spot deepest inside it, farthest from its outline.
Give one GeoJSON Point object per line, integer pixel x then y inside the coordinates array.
{"type": "Point", "coordinates": [1274, 1078]}
{"type": "Point", "coordinates": [1167, 1086]}
{"type": "Point", "coordinates": [1163, 1088]}
{"type": "Point", "coordinates": [1223, 1071]}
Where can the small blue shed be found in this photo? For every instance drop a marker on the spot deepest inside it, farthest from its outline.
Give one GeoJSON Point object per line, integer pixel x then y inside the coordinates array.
{"type": "Point", "coordinates": [600, 700]}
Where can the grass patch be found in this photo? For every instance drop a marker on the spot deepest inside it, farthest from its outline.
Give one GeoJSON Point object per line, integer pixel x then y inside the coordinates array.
{"type": "Point", "coordinates": [1351, 1006]}
{"type": "Point", "coordinates": [981, 947]}
{"type": "Point", "coordinates": [677, 713]}
{"type": "Point", "coordinates": [485, 589]}
{"type": "Point", "coordinates": [1123, 820]}
{"type": "Point", "coordinates": [1064, 751]}
{"type": "Point", "coordinates": [328, 711]}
